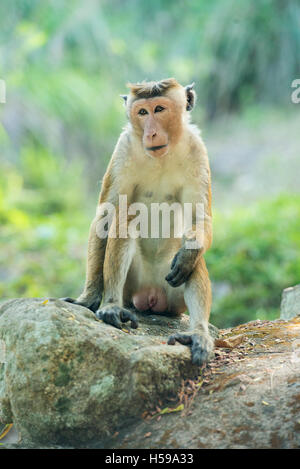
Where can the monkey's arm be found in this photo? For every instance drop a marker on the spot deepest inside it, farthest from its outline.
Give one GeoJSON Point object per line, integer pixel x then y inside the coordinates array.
{"type": "Point", "coordinates": [188, 266]}
{"type": "Point", "coordinates": [111, 187]}
{"type": "Point", "coordinates": [196, 239]}
{"type": "Point", "coordinates": [93, 288]}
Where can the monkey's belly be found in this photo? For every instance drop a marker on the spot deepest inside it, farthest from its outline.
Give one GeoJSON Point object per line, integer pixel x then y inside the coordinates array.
{"type": "Point", "coordinates": [150, 299]}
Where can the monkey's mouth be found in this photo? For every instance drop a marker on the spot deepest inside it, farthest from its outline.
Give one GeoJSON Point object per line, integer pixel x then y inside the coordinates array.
{"type": "Point", "coordinates": [159, 147]}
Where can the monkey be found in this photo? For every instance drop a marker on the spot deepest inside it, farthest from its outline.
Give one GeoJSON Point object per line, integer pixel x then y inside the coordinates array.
{"type": "Point", "coordinates": [159, 157]}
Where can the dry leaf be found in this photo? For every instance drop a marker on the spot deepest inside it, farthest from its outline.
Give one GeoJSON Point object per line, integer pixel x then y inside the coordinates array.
{"type": "Point", "coordinates": [5, 431]}
{"type": "Point", "coordinates": [147, 434]}
{"type": "Point", "coordinates": [231, 342]}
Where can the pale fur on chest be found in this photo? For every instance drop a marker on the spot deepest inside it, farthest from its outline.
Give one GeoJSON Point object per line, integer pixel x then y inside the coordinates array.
{"type": "Point", "coordinates": [146, 179]}
{"type": "Point", "coordinates": [159, 183]}
{"type": "Point", "coordinates": [163, 179]}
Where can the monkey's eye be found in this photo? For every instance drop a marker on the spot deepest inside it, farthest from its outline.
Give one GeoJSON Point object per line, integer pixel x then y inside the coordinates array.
{"type": "Point", "coordinates": [159, 109]}
{"type": "Point", "coordinates": [143, 112]}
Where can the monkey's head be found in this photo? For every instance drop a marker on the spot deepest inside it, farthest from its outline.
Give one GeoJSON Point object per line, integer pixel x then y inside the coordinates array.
{"type": "Point", "coordinates": [158, 111]}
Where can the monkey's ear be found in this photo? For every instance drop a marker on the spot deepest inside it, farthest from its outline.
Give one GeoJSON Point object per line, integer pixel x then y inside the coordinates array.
{"type": "Point", "coordinates": [190, 96]}
{"type": "Point", "coordinates": [124, 96]}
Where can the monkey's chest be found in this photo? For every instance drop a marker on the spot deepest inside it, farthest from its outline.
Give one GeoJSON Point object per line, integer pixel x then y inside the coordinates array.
{"type": "Point", "coordinates": [157, 218]}
{"type": "Point", "coordinates": [150, 196]}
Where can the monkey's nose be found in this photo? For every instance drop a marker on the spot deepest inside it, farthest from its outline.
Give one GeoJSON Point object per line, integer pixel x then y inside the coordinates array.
{"type": "Point", "coordinates": [151, 135]}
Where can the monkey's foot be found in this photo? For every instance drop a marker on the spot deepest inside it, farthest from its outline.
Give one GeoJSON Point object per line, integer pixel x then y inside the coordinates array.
{"type": "Point", "coordinates": [93, 305]}
{"type": "Point", "coordinates": [115, 315]}
{"type": "Point", "coordinates": [201, 345]}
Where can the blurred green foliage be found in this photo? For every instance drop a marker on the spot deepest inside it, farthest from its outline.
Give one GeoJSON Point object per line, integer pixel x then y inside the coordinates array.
{"type": "Point", "coordinates": [44, 222]}
{"type": "Point", "coordinates": [255, 255]}
{"type": "Point", "coordinates": [45, 218]}
{"type": "Point", "coordinates": [65, 65]}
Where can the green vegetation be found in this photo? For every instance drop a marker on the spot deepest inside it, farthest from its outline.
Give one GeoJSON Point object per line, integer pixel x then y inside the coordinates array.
{"type": "Point", "coordinates": [255, 254]}
{"type": "Point", "coordinates": [44, 227]}
{"type": "Point", "coordinates": [65, 65]}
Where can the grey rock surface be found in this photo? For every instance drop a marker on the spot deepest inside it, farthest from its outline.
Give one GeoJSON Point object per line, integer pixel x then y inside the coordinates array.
{"type": "Point", "coordinates": [290, 302]}
{"type": "Point", "coordinates": [247, 398]}
{"type": "Point", "coordinates": [66, 377]}
{"type": "Point", "coordinates": [68, 380]}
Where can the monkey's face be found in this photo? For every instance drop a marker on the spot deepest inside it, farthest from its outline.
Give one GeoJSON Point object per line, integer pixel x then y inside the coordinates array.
{"type": "Point", "coordinates": [158, 123]}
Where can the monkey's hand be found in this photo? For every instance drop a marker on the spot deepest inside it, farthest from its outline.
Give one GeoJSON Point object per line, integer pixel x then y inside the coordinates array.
{"type": "Point", "coordinates": [201, 344]}
{"type": "Point", "coordinates": [182, 266]}
{"type": "Point", "coordinates": [91, 302]}
{"type": "Point", "coordinates": [115, 315]}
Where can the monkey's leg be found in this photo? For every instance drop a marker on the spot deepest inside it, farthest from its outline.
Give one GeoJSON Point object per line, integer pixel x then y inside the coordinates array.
{"type": "Point", "coordinates": [118, 258]}
{"type": "Point", "coordinates": [92, 293]}
{"type": "Point", "coordinates": [197, 296]}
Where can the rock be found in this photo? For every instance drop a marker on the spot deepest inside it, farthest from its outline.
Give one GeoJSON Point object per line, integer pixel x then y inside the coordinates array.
{"type": "Point", "coordinates": [69, 380]}
{"type": "Point", "coordinates": [290, 302]}
{"type": "Point", "coordinates": [246, 398]}
{"type": "Point", "coordinates": [66, 377]}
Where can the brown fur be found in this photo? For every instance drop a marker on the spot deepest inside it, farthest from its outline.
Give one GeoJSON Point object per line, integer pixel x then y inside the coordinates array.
{"type": "Point", "coordinates": [152, 89]}
{"type": "Point", "coordinates": [120, 269]}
